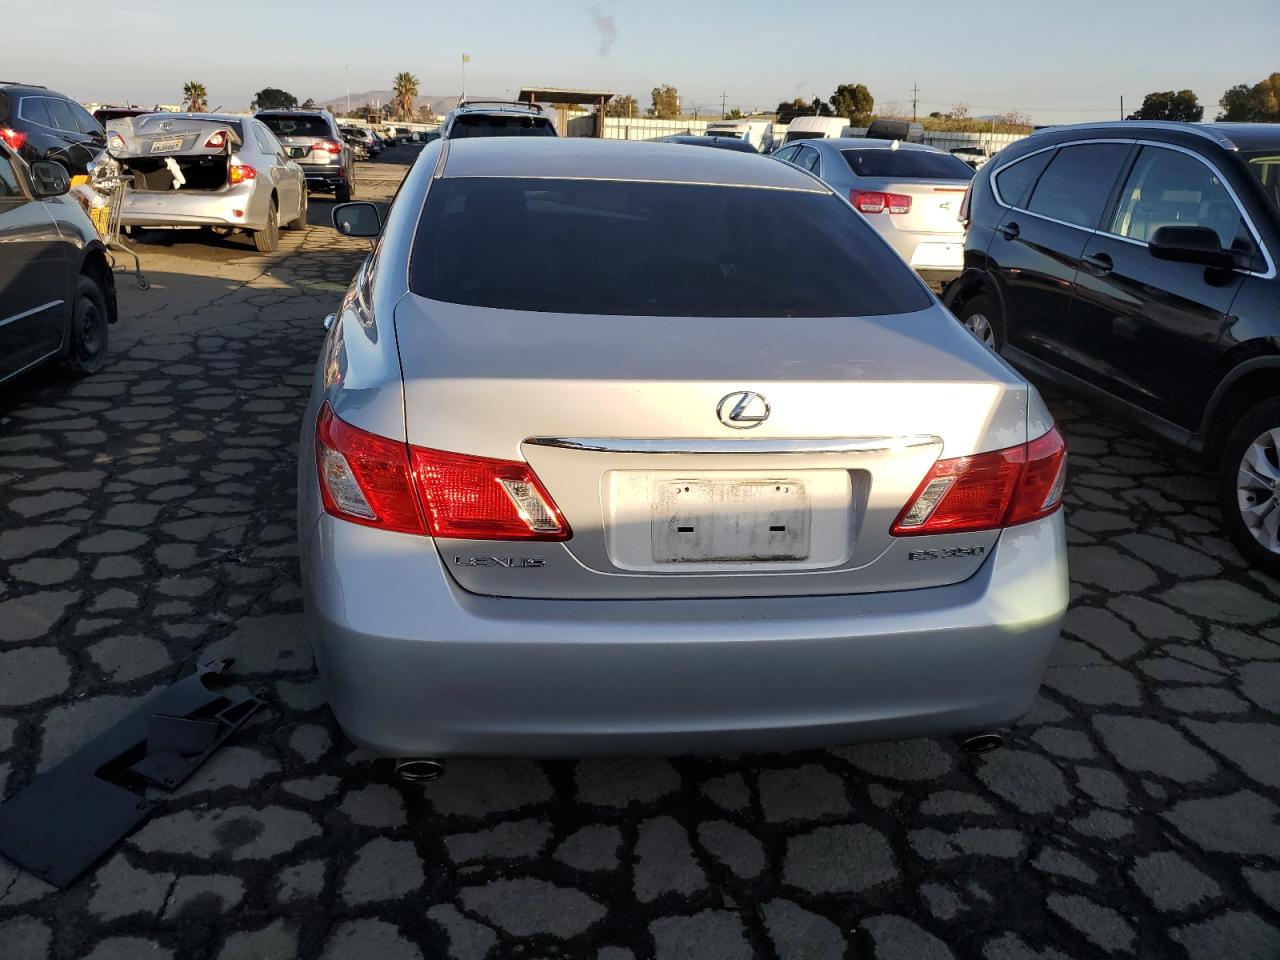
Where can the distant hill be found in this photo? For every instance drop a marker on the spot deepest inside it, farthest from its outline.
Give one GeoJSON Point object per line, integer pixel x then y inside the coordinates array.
{"type": "Point", "coordinates": [439, 105]}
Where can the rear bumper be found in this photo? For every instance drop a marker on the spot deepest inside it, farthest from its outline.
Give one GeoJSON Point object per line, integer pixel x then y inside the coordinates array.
{"type": "Point", "coordinates": [415, 666]}
{"type": "Point", "coordinates": [194, 208]}
{"type": "Point", "coordinates": [324, 177]}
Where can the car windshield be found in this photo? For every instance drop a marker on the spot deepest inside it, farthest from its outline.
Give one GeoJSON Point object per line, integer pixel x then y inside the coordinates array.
{"type": "Point", "coordinates": [284, 126]}
{"type": "Point", "coordinates": [654, 249]}
{"type": "Point", "coordinates": [907, 165]}
{"type": "Point", "coordinates": [498, 125]}
{"type": "Point", "coordinates": [1265, 165]}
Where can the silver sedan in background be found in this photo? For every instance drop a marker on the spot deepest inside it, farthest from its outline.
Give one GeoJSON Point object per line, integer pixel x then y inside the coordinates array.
{"type": "Point", "coordinates": [227, 172]}
{"type": "Point", "coordinates": [909, 192]}
{"type": "Point", "coordinates": [623, 447]}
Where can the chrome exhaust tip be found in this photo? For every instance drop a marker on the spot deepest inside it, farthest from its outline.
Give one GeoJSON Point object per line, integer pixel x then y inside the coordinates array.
{"type": "Point", "coordinates": [419, 769]}
{"type": "Point", "coordinates": [976, 744]}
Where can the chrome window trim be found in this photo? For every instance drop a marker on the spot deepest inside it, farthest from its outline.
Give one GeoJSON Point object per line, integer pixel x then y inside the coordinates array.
{"type": "Point", "coordinates": [754, 445]}
{"type": "Point", "coordinates": [1267, 274]}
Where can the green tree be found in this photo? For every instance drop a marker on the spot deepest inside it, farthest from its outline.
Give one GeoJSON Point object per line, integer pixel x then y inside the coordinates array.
{"type": "Point", "coordinates": [426, 114]}
{"type": "Point", "coordinates": [1259, 103]}
{"type": "Point", "coordinates": [666, 102]}
{"type": "Point", "coordinates": [1168, 105]}
{"type": "Point", "coordinates": [273, 98]}
{"type": "Point", "coordinates": [195, 97]}
{"type": "Point", "coordinates": [734, 114]}
{"type": "Point", "coordinates": [624, 106]}
{"type": "Point", "coordinates": [853, 100]}
{"type": "Point", "coordinates": [788, 110]}
{"type": "Point", "coordinates": [309, 104]}
{"type": "Point", "coordinates": [405, 90]}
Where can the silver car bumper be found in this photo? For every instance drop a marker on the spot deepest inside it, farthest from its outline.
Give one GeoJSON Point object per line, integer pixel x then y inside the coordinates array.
{"type": "Point", "coordinates": [415, 666]}
{"type": "Point", "coordinates": [195, 208]}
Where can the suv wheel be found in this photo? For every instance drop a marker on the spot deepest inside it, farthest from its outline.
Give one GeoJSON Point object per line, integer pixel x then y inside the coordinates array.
{"type": "Point", "coordinates": [1249, 488]}
{"type": "Point", "coordinates": [87, 349]}
{"type": "Point", "coordinates": [267, 239]}
{"type": "Point", "coordinates": [343, 193]}
{"type": "Point", "coordinates": [981, 318]}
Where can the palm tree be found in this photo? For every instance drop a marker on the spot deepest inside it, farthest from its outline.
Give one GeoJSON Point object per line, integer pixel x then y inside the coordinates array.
{"type": "Point", "coordinates": [194, 96]}
{"type": "Point", "coordinates": [405, 87]}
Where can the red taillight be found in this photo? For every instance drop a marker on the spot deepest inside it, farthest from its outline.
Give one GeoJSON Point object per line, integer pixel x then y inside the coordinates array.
{"type": "Point", "coordinates": [327, 146]}
{"type": "Point", "coordinates": [877, 201]}
{"type": "Point", "coordinates": [217, 141]}
{"type": "Point", "coordinates": [240, 172]}
{"type": "Point", "coordinates": [13, 138]}
{"type": "Point", "coordinates": [479, 498]}
{"type": "Point", "coordinates": [988, 491]}
{"type": "Point", "coordinates": [365, 478]}
{"type": "Point", "coordinates": [379, 482]}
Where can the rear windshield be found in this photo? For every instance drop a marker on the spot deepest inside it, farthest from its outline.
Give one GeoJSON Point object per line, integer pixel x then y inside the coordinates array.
{"type": "Point", "coordinates": [907, 165]}
{"type": "Point", "coordinates": [1265, 165]}
{"type": "Point", "coordinates": [654, 249]}
{"type": "Point", "coordinates": [803, 135]}
{"type": "Point", "coordinates": [490, 125]}
{"type": "Point", "coordinates": [297, 126]}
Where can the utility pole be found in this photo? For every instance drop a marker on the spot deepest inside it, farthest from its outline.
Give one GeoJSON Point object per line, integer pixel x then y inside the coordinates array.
{"type": "Point", "coordinates": [1122, 106]}
{"type": "Point", "coordinates": [915, 96]}
{"type": "Point", "coordinates": [347, 70]}
{"type": "Point", "coordinates": [466, 58]}
{"type": "Point", "coordinates": [724, 96]}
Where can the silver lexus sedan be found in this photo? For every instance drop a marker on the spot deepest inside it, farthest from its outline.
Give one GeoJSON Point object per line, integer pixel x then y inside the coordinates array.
{"type": "Point", "coordinates": [620, 447]}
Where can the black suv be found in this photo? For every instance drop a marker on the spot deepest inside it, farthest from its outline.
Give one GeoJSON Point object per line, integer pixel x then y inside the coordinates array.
{"type": "Point", "coordinates": [1136, 263]}
{"type": "Point", "coordinates": [329, 163]}
{"type": "Point", "coordinates": [42, 125]}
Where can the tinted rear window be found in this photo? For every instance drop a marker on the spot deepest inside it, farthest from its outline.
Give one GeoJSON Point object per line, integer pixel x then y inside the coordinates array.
{"type": "Point", "coordinates": [1075, 186]}
{"type": "Point", "coordinates": [1016, 180]}
{"type": "Point", "coordinates": [907, 165]}
{"type": "Point", "coordinates": [654, 249]}
{"type": "Point", "coordinates": [1265, 166]}
{"type": "Point", "coordinates": [489, 125]}
{"type": "Point", "coordinates": [298, 126]}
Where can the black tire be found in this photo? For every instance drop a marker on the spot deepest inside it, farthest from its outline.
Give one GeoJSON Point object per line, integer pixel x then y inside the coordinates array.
{"type": "Point", "coordinates": [87, 343]}
{"type": "Point", "coordinates": [981, 317]}
{"type": "Point", "coordinates": [301, 222]}
{"type": "Point", "coordinates": [344, 193]}
{"type": "Point", "coordinates": [1241, 491]}
{"type": "Point", "coordinates": [268, 239]}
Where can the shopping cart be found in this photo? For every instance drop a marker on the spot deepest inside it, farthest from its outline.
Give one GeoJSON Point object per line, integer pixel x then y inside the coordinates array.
{"type": "Point", "coordinates": [108, 181]}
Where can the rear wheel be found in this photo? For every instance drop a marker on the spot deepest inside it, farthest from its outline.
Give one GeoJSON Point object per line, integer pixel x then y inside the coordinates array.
{"type": "Point", "coordinates": [301, 222]}
{"type": "Point", "coordinates": [980, 317]}
{"type": "Point", "coordinates": [1249, 486]}
{"type": "Point", "coordinates": [268, 238]}
{"type": "Point", "coordinates": [343, 194]}
{"type": "Point", "coordinates": [87, 349]}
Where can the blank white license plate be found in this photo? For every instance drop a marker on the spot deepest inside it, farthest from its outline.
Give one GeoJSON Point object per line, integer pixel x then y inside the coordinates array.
{"type": "Point", "coordinates": [166, 146]}
{"type": "Point", "coordinates": [701, 521]}
{"type": "Point", "coordinates": [938, 255]}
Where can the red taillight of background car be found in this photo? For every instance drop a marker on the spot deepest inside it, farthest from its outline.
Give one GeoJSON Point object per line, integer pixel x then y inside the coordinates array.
{"type": "Point", "coordinates": [327, 146]}
{"type": "Point", "coordinates": [378, 482]}
{"type": "Point", "coordinates": [988, 491]}
{"type": "Point", "coordinates": [13, 138]}
{"type": "Point", "coordinates": [877, 201]}
{"type": "Point", "coordinates": [240, 172]}
{"type": "Point", "coordinates": [963, 215]}
{"type": "Point", "coordinates": [217, 140]}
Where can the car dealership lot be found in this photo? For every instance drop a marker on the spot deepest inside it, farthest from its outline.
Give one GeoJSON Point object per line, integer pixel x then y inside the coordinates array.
{"type": "Point", "coordinates": [149, 525]}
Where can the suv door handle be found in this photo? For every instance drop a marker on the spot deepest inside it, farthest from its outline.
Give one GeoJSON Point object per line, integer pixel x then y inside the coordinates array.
{"type": "Point", "coordinates": [1099, 264]}
{"type": "Point", "coordinates": [1009, 231]}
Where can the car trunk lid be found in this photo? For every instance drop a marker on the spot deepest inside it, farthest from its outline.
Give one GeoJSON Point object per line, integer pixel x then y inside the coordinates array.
{"type": "Point", "coordinates": [623, 420]}
{"type": "Point", "coordinates": [935, 204]}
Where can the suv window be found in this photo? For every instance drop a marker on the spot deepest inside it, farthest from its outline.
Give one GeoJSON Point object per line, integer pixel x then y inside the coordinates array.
{"type": "Point", "coordinates": [60, 115]}
{"type": "Point", "coordinates": [1265, 166]}
{"type": "Point", "coordinates": [499, 125]}
{"type": "Point", "coordinates": [1167, 188]}
{"type": "Point", "coordinates": [8, 180]}
{"type": "Point", "coordinates": [33, 110]}
{"type": "Point", "coordinates": [907, 164]}
{"type": "Point", "coordinates": [625, 248]}
{"type": "Point", "coordinates": [85, 122]}
{"type": "Point", "coordinates": [1015, 181]}
{"type": "Point", "coordinates": [304, 126]}
{"type": "Point", "coordinates": [1075, 186]}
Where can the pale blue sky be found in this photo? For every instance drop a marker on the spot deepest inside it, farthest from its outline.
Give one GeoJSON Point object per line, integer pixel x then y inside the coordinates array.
{"type": "Point", "coordinates": [1058, 61]}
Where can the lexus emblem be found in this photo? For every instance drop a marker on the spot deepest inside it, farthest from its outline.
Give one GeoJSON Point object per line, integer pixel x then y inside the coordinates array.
{"type": "Point", "coordinates": [743, 410]}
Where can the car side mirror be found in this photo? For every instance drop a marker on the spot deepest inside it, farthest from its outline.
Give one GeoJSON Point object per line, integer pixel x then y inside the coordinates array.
{"type": "Point", "coordinates": [1198, 245]}
{"type": "Point", "coordinates": [49, 179]}
{"type": "Point", "coordinates": [357, 219]}
{"type": "Point", "coordinates": [297, 153]}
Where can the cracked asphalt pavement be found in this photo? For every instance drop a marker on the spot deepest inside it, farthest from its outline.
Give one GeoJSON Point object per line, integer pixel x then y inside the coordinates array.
{"type": "Point", "coordinates": [147, 525]}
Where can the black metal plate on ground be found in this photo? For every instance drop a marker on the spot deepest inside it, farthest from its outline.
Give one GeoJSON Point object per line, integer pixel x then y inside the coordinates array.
{"type": "Point", "coordinates": [61, 824]}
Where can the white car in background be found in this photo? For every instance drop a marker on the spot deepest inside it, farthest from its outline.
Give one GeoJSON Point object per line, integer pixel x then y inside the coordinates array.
{"type": "Point", "coordinates": [758, 133]}
{"type": "Point", "coordinates": [817, 128]}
